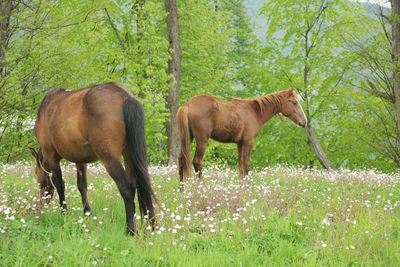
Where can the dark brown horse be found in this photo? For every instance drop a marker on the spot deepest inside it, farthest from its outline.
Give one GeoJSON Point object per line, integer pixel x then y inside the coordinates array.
{"type": "Point", "coordinates": [237, 121]}
{"type": "Point", "coordinates": [99, 122]}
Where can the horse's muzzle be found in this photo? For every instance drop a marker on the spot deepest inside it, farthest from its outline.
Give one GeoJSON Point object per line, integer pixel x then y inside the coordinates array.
{"type": "Point", "coordinates": [301, 125]}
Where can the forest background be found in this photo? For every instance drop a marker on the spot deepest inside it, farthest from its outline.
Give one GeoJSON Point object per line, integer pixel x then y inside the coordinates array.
{"type": "Point", "coordinates": [338, 54]}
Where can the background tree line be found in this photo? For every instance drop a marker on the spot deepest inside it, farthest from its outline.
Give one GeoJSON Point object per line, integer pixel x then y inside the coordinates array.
{"type": "Point", "coordinates": [338, 54]}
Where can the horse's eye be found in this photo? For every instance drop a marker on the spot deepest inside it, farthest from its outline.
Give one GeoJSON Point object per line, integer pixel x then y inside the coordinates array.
{"type": "Point", "coordinates": [295, 103]}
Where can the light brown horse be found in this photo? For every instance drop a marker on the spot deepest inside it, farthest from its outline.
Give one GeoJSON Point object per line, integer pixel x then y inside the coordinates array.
{"type": "Point", "coordinates": [238, 121]}
{"type": "Point", "coordinates": [99, 122]}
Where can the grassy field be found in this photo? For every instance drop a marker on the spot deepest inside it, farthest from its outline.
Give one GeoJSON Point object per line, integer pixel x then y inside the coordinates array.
{"type": "Point", "coordinates": [278, 216]}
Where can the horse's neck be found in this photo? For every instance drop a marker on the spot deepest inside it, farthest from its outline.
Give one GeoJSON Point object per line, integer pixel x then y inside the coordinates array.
{"type": "Point", "coordinates": [269, 107]}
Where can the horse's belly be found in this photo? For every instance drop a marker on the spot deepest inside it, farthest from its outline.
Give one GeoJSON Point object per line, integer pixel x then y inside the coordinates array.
{"type": "Point", "coordinates": [226, 135]}
{"type": "Point", "coordinates": [228, 131]}
{"type": "Point", "coordinates": [82, 153]}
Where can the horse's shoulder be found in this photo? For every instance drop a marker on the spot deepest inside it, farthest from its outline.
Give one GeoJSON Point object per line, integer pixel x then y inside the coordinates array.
{"type": "Point", "coordinates": [48, 97]}
{"type": "Point", "coordinates": [55, 90]}
{"type": "Point", "coordinates": [50, 94]}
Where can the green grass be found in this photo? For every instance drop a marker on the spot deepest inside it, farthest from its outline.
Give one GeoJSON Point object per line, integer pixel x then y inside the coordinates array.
{"type": "Point", "coordinates": [277, 217]}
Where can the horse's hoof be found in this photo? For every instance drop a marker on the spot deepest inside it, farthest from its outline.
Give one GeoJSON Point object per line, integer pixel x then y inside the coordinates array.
{"type": "Point", "coordinates": [63, 208]}
{"type": "Point", "coordinates": [131, 232]}
{"type": "Point", "coordinates": [87, 211]}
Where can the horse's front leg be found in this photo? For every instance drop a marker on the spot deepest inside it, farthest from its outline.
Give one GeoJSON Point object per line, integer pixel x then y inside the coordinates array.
{"type": "Point", "coordinates": [247, 147]}
{"type": "Point", "coordinates": [240, 159]}
{"type": "Point", "coordinates": [57, 181]}
{"type": "Point", "coordinates": [82, 186]}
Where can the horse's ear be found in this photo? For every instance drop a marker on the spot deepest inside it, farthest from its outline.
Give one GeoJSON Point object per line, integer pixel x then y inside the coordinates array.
{"type": "Point", "coordinates": [291, 90]}
{"type": "Point", "coordinates": [33, 152]}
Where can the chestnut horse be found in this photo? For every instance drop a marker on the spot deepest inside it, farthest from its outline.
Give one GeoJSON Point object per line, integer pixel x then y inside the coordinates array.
{"type": "Point", "coordinates": [99, 122]}
{"type": "Point", "coordinates": [237, 121]}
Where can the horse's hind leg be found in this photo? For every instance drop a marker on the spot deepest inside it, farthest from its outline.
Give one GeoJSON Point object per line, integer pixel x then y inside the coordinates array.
{"type": "Point", "coordinates": [201, 144]}
{"type": "Point", "coordinates": [82, 186]}
{"type": "Point", "coordinates": [130, 171]}
{"type": "Point", "coordinates": [126, 188]}
{"type": "Point", "coordinates": [182, 162]}
{"type": "Point", "coordinates": [180, 170]}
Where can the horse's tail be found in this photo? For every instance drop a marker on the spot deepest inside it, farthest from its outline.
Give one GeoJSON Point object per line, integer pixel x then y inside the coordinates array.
{"type": "Point", "coordinates": [184, 136]}
{"type": "Point", "coordinates": [137, 150]}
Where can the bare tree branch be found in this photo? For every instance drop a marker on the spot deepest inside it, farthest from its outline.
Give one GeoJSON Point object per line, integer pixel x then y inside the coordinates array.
{"type": "Point", "coordinates": [115, 30]}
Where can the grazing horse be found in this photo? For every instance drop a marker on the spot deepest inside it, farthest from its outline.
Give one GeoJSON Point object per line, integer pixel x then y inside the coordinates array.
{"type": "Point", "coordinates": [98, 122]}
{"type": "Point", "coordinates": [237, 121]}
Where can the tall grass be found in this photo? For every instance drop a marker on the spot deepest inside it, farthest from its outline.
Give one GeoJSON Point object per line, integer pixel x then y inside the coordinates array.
{"type": "Point", "coordinates": [277, 216]}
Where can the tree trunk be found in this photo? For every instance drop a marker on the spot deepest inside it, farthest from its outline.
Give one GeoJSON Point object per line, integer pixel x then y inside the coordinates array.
{"type": "Point", "coordinates": [5, 15]}
{"type": "Point", "coordinates": [141, 17]}
{"type": "Point", "coordinates": [174, 69]}
{"type": "Point", "coordinates": [312, 138]}
{"type": "Point", "coordinates": [395, 57]}
{"type": "Point", "coordinates": [321, 156]}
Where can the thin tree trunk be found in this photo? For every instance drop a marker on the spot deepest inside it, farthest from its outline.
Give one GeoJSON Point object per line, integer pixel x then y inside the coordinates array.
{"type": "Point", "coordinates": [395, 57]}
{"type": "Point", "coordinates": [141, 17]}
{"type": "Point", "coordinates": [319, 152]}
{"type": "Point", "coordinates": [5, 16]}
{"type": "Point", "coordinates": [174, 69]}
{"type": "Point", "coordinates": [312, 137]}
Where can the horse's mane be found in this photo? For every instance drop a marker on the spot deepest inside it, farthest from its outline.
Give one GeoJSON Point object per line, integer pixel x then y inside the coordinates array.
{"type": "Point", "coordinates": [47, 98]}
{"type": "Point", "coordinates": [273, 99]}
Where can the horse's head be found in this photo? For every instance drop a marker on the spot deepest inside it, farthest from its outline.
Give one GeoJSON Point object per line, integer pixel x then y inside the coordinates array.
{"type": "Point", "coordinates": [291, 108]}
{"type": "Point", "coordinates": [43, 177]}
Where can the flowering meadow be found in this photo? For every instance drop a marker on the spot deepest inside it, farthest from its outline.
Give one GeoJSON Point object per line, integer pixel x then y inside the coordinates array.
{"type": "Point", "coordinates": [278, 215]}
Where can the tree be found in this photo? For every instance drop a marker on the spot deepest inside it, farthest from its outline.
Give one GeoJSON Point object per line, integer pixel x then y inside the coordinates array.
{"type": "Point", "coordinates": [174, 70]}
{"type": "Point", "coordinates": [243, 53]}
{"type": "Point", "coordinates": [5, 15]}
{"type": "Point", "coordinates": [371, 44]}
{"type": "Point", "coordinates": [205, 45]}
{"type": "Point", "coordinates": [15, 76]}
{"type": "Point", "coordinates": [395, 22]}
{"type": "Point", "coordinates": [75, 44]}
{"type": "Point", "coordinates": [302, 50]}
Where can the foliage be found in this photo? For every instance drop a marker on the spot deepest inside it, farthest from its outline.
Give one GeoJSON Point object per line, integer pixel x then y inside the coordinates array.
{"type": "Point", "coordinates": [373, 106]}
{"type": "Point", "coordinates": [76, 43]}
{"type": "Point", "coordinates": [205, 45]}
{"type": "Point", "coordinates": [307, 51]}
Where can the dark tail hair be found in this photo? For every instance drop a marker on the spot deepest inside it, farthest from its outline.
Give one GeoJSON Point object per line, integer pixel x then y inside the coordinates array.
{"type": "Point", "coordinates": [136, 144]}
{"type": "Point", "coordinates": [184, 135]}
